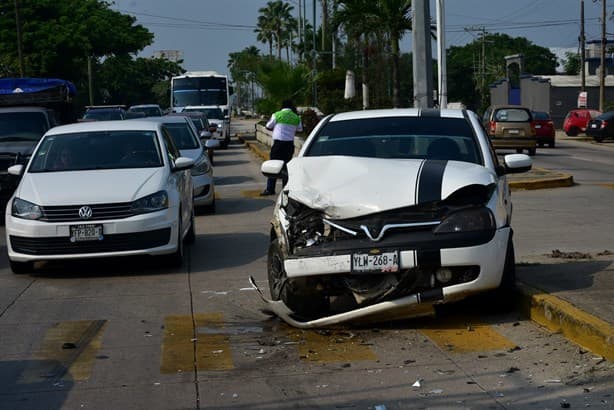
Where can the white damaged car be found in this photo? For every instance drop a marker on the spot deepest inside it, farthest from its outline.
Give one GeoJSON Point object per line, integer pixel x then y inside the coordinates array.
{"type": "Point", "coordinates": [387, 208]}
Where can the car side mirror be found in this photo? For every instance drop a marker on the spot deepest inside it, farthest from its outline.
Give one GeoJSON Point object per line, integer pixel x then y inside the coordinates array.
{"type": "Point", "coordinates": [517, 163]}
{"type": "Point", "coordinates": [273, 168]}
{"type": "Point", "coordinates": [16, 170]}
{"type": "Point", "coordinates": [212, 144]}
{"type": "Point", "coordinates": [183, 163]}
{"type": "Point", "coordinates": [205, 134]}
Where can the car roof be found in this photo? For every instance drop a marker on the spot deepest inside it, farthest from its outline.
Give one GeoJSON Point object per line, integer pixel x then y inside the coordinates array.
{"type": "Point", "coordinates": [202, 106]}
{"type": "Point", "coordinates": [398, 112]}
{"type": "Point", "coordinates": [144, 106]}
{"type": "Point", "coordinates": [24, 109]}
{"type": "Point", "coordinates": [179, 119]}
{"type": "Point", "coordinates": [117, 125]}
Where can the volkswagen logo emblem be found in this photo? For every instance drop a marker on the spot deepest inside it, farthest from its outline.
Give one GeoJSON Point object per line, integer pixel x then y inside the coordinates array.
{"type": "Point", "coordinates": [85, 212]}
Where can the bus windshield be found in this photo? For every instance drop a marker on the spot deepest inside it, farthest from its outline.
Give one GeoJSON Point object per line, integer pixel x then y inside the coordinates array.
{"type": "Point", "coordinates": [199, 91]}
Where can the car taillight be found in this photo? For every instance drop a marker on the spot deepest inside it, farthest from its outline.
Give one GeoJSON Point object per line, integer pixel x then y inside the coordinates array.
{"type": "Point", "coordinates": [533, 128]}
{"type": "Point", "coordinates": [492, 126]}
{"type": "Point", "coordinates": [604, 124]}
{"type": "Point", "coordinates": [550, 124]}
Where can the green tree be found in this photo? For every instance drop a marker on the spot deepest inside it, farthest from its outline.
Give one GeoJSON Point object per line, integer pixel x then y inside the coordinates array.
{"type": "Point", "coordinates": [275, 24]}
{"type": "Point", "coordinates": [572, 63]}
{"type": "Point", "coordinates": [243, 66]}
{"type": "Point", "coordinates": [280, 81]}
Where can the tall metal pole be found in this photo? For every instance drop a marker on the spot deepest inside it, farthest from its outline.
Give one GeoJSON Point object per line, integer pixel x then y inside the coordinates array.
{"type": "Point", "coordinates": [582, 48]}
{"type": "Point", "coordinates": [442, 86]}
{"type": "Point", "coordinates": [314, 55]}
{"type": "Point", "coordinates": [422, 55]}
{"type": "Point", "coordinates": [19, 40]}
{"type": "Point", "coordinates": [603, 69]}
{"type": "Point", "coordinates": [300, 32]}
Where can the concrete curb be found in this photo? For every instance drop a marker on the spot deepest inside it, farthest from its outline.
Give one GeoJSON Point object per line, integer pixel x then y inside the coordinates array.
{"type": "Point", "coordinates": [574, 324]}
{"type": "Point", "coordinates": [558, 180]}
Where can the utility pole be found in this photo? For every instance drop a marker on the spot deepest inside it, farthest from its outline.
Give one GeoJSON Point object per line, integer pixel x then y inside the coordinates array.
{"type": "Point", "coordinates": [603, 69]}
{"type": "Point", "coordinates": [19, 40]}
{"type": "Point", "coordinates": [300, 33]}
{"type": "Point", "coordinates": [314, 55]}
{"type": "Point", "coordinates": [481, 84]}
{"type": "Point", "coordinates": [442, 86]}
{"type": "Point", "coordinates": [422, 55]}
{"type": "Point", "coordinates": [582, 47]}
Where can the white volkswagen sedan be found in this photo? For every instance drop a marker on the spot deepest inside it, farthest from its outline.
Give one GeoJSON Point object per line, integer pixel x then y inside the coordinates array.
{"type": "Point", "coordinates": [101, 189]}
{"type": "Point", "coordinates": [391, 208]}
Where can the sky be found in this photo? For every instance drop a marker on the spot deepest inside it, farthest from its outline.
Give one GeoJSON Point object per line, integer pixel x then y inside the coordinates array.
{"type": "Point", "coordinates": [206, 31]}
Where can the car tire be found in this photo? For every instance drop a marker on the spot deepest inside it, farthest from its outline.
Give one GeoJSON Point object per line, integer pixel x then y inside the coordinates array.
{"type": "Point", "coordinates": [300, 299]}
{"type": "Point", "coordinates": [502, 299]}
{"type": "Point", "coordinates": [551, 144]}
{"type": "Point", "coordinates": [598, 139]}
{"type": "Point", "coordinates": [572, 132]}
{"type": "Point", "coordinates": [207, 209]}
{"type": "Point", "coordinates": [532, 151]}
{"type": "Point", "coordinates": [519, 150]}
{"type": "Point", "coordinates": [21, 268]}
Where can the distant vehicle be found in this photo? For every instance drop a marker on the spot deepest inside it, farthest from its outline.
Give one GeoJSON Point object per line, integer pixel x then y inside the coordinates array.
{"type": "Point", "coordinates": [104, 113]}
{"type": "Point", "coordinates": [101, 189]}
{"type": "Point", "coordinates": [544, 129]}
{"type": "Point", "coordinates": [576, 121]}
{"type": "Point", "coordinates": [601, 127]}
{"type": "Point", "coordinates": [201, 88]}
{"type": "Point", "coordinates": [150, 110]}
{"type": "Point", "coordinates": [29, 107]}
{"type": "Point", "coordinates": [205, 130]}
{"type": "Point", "coordinates": [216, 118]}
{"type": "Point", "coordinates": [510, 127]}
{"type": "Point", "coordinates": [185, 137]}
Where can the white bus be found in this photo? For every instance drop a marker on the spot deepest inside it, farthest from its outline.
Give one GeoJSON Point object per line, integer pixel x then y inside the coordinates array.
{"type": "Point", "coordinates": [199, 88]}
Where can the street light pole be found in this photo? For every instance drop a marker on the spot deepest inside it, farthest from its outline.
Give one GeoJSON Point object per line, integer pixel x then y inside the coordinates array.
{"type": "Point", "coordinates": [442, 81]}
{"type": "Point", "coordinates": [314, 55]}
{"type": "Point", "coordinates": [603, 69]}
{"type": "Point", "coordinates": [19, 40]}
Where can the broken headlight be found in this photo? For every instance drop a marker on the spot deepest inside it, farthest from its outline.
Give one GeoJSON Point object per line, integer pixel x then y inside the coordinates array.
{"type": "Point", "coordinates": [467, 220]}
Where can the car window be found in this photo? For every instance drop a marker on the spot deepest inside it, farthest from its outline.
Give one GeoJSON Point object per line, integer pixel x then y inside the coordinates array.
{"type": "Point", "coordinates": [171, 148]}
{"type": "Point", "coordinates": [182, 135]}
{"type": "Point", "coordinates": [538, 115]}
{"type": "Point", "coordinates": [104, 115]}
{"type": "Point", "coordinates": [97, 150]}
{"type": "Point", "coordinates": [512, 115]}
{"type": "Point", "coordinates": [22, 126]}
{"type": "Point", "coordinates": [399, 138]}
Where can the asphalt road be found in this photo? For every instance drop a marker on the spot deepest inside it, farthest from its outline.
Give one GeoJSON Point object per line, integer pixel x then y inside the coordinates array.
{"type": "Point", "coordinates": [130, 334]}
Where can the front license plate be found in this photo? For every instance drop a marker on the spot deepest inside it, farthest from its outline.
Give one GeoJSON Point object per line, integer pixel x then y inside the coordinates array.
{"type": "Point", "coordinates": [514, 132]}
{"type": "Point", "coordinates": [79, 233]}
{"type": "Point", "coordinates": [381, 262]}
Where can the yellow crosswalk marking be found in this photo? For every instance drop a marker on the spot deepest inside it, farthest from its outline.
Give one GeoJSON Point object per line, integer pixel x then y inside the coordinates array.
{"type": "Point", "coordinates": [459, 335]}
{"type": "Point", "coordinates": [67, 352]}
{"type": "Point", "coordinates": [178, 346]}
{"type": "Point", "coordinates": [330, 346]}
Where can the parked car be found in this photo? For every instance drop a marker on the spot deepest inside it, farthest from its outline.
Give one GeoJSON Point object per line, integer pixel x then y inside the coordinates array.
{"type": "Point", "coordinates": [186, 139]}
{"type": "Point", "coordinates": [220, 124]}
{"type": "Point", "coordinates": [150, 110]}
{"type": "Point", "coordinates": [576, 121]}
{"type": "Point", "coordinates": [202, 126]}
{"type": "Point", "coordinates": [405, 206]}
{"type": "Point", "coordinates": [104, 113]}
{"type": "Point", "coordinates": [601, 127]}
{"type": "Point", "coordinates": [510, 127]}
{"type": "Point", "coordinates": [101, 189]}
{"type": "Point", "coordinates": [544, 129]}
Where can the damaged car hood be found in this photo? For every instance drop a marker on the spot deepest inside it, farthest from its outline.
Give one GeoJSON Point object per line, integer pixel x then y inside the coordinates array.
{"type": "Point", "coordinates": [346, 187]}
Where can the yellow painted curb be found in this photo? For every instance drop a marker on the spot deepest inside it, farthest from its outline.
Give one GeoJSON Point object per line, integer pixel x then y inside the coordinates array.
{"type": "Point", "coordinates": [576, 325]}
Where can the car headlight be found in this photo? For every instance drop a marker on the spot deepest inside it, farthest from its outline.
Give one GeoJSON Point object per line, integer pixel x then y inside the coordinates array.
{"type": "Point", "coordinates": [468, 220]}
{"type": "Point", "coordinates": [151, 203]}
{"type": "Point", "coordinates": [25, 210]}
{"type": "Point", "coordinates": [201, 166]}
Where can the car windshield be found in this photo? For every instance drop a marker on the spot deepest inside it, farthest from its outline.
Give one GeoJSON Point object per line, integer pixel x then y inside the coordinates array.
{"type": "Point", "coordinates": [148, 111]}
{"type": "Point", "coordinates": [182, 135]}
{"type": "Point", "coordinates": [398, 137]}
{"type": "Point", "coordinates": [211, 113]}
{"type": "Point", "coordinates": [512, 115]}
{"type": "Point", "coordinates": [22, 126]}
{"type": "Point", "coordinates": [103, 115]}
{"type": "Point", "coordinates": [97, 150]}
{"type": "Point", "coordinates": [541, 115]}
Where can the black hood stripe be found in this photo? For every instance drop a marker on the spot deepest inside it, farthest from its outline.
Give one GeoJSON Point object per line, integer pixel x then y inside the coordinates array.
{"type": "Point", "coordinates": [430, 180]}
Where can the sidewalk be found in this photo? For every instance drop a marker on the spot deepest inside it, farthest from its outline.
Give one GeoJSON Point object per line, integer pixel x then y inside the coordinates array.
{"type": "Point", "coordinates": [570, 294]}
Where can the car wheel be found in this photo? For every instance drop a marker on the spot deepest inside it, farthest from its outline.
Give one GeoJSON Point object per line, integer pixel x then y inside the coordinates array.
{"type": "Point", "coordinates": [302, 300]}
{"type": "Point", "coordinates": [598, 139]}
{"type": "Point", "coordinates": [210, 154]}
{"type": "Point", "coordinates": [190, 237]}
{"type": "Point", "coordinates": [502, 299]}
{"type": "Point", "coordinates": [532, 151]}
{"type": "Point", "coordinates": [21, 268]}
{"type": "Point", "coordinates": [207, 209]}
{"type": "Point", "coordinates": [572, 132]}
{"type": "Point", "coordinates": [518, 150]}
{"type": "Point", "coordinates": [551, 144]}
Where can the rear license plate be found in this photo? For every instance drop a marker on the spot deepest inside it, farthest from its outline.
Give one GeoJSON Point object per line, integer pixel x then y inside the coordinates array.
{"type": "Point", "coordinates": [80, 233]}
{"type": "Point", "coordinates": [538, 126]}
{"type": "Point", "coordinates": [381, 262]}
{"type": "Point", "coordinates": [514, 132]}
{"type": "Point", "coordinates": [593, 125]}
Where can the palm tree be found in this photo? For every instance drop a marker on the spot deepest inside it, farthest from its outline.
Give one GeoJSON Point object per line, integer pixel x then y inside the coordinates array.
{"type": "Point", "coordinates": [394, 17]}
{"type": "Point", "coordinates": [273, 22]}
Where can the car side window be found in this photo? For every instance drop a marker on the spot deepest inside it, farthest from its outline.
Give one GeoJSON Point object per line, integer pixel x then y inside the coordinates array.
{"type": "Point", "coordinates": [171, 148]}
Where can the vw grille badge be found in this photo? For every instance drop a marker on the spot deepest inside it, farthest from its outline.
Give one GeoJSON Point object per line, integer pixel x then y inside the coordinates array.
{"type": "Point", "coordinates": [85, 212]}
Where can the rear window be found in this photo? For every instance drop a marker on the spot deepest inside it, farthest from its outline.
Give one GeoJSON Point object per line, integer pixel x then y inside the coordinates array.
{"type": "Point", "coordinates": [182, 135]}
{"type": "Point", "coordinates": [22, 126]}
{"type": "Point", "coordinates": [512, 115]}
{"type": "Point", "coordinates": [606, 116]}
{"type": "Point", "coordinates": [541, 115]}
{"type": "Point", "coordinates": [399, 138]}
